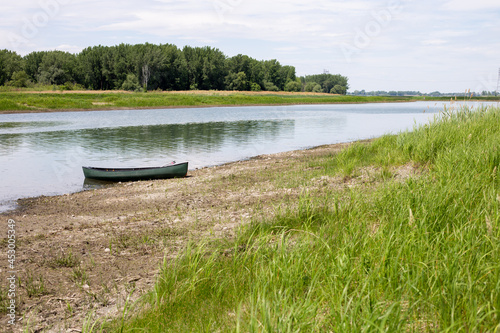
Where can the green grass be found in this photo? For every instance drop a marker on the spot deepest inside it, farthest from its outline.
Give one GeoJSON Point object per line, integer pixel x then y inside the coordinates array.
{"type": "Point", "coordinates": [35, 100]}
{"type": "Point", "coordinates": [23, 101]}
{"type": "Point", "coordinates": [4, 300]}
{"type": "Point", "coordinates": [416, 255]}
{"type": "Point", "coordinates": [34, 285]}
{"type": "Point", "coordinates": [64, 260]}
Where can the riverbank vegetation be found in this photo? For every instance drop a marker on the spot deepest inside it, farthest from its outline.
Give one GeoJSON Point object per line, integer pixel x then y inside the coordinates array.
{"type": "Point", "coordinates": [157, 67]}
{"type": "Point", "coordinates": [40, 101]}
{"type": "Point", "coordinates": [388, 251]}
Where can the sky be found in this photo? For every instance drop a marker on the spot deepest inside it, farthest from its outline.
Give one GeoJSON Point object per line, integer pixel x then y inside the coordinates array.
{"type": "Point", "coordinates": [418, 45]}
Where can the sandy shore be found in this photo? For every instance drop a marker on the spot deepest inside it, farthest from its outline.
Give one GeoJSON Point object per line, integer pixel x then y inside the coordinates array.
{"type": "Point", "coordinates": [86, 252]}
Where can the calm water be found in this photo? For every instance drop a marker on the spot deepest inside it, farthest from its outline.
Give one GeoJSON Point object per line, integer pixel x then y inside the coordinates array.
{"type": "Point", "coordinates": [42, 154]}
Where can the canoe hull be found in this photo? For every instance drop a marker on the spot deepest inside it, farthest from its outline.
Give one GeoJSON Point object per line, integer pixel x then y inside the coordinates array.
{"type": "Point", "coordinates": [132, 174]}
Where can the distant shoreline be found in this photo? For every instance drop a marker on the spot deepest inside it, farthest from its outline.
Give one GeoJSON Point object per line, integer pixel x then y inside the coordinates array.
{"type": "Point", "coordinates": [184, 107]}
{"type": "Point", "coordinates": [12, 102]}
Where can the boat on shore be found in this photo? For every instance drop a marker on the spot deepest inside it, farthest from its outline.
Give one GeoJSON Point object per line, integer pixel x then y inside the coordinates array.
{"type": "Point", "coordinates": [173, 170]}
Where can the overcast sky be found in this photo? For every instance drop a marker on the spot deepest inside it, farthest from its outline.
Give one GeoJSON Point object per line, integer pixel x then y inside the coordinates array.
{"type": "Point", "coordinates": [425, 45]}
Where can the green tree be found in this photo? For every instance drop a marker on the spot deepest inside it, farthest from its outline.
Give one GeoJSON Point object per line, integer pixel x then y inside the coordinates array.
{"type": "Point", "coordinates": [338, 89]}
{"type": "Point", "coordinates": [240, 63]}
{"type": "Point", "coordinates": [328, 85]}
{"type": "Point", "coordinates": [57, 67]}
{"type": "Point", "coordinates": [52, 75]}
{"type": "Point", "coordinates": [214, 69]}
{"type": "Point", "coordinates": [193, 65]}
{"type": "Point", "coordinates": [10, 62]}
{"type": "Point", "coordinates": [20, 79]}
{"type": "Point", "coordinates": [271, 74]}
{"type": "Point", "coordinates": [131, 83]}
{"type": "Point", "coordinates": [151, 64]}
{"type": "Point", "coordinates": [237, 81]}
{"type": "Point", "coordinates": [113, 66]}
{"type": "Point", "coordinates": [253, 69]}
{"type": "Point", "coordinates": [90, 65]}
{"type": "Point", "coordinates": [309, 86]}
{"type": "Point", "coordinates": [293, 86]}
{"type": "Point", "coordinates": [255, 87]}
{"type": "Point", "coordinates": [317, 89]}
{"type": "Point", "coordinates": [158, 66]}
{"type": "Point", "coordinates": [173, 70]}
{"type": "Point", "coordinates": [286, 74]}
{"type": "Point", "coordinates": [206, 67]}
{"type": "Point", "coordinates": [326, 81]}
{"type": "Point", "coordinates": [256, 72]}
{"type": "Point", "coordinates": [32, 63]}
{"type": "Point", "coordinates": [269, 86]}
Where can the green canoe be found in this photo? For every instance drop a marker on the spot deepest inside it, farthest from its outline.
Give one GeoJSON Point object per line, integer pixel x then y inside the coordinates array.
{"type": "Point", "coordinates": [131, 174]}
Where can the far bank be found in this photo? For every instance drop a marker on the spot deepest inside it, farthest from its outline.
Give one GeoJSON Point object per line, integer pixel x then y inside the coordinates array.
{"type": "Point", "coordinates": [52, 101]}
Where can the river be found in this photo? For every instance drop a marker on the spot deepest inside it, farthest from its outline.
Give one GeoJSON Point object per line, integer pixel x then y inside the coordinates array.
{"type": "Point", "coordinates": [42, 153]}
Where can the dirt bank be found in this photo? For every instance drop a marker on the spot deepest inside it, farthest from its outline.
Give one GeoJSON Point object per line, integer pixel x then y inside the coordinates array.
{"type": "Point", "coordinates": [87, 252]}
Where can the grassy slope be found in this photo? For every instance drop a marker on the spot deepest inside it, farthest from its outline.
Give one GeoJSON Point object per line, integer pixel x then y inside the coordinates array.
{"type": "Point", "coordinates": [421, 254]}
{"type": "Point", "coordinates": [418, 255]}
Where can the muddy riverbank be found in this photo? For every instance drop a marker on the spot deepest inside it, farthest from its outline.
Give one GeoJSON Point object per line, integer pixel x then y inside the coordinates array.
{"type": "Point", "coordinates": [85, 253]}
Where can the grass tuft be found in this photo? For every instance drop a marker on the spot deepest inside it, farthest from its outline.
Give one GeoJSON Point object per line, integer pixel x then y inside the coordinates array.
{"type": "Point", "coordinates": [64, 260]}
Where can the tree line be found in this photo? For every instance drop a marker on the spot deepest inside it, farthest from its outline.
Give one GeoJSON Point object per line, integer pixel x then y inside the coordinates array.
{"type": "Point", "coordinates": [163, 67]}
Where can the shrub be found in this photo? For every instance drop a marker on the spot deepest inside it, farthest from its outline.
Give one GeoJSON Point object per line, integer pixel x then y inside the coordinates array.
{"type": "Point", "coordinates": [20, 80]}
{"type": "Point", "coordinates": [338, 89]}
{"type": "Point", "coordinates": [269, 86]}
{"type": "Point", "coordinates": [131, 83]}
{"type": "Point", "coordinates": [293, 86]}
{"type": "Point", "coordinates": [310, 86]}
{"type": "Point", "coordinates": [317, 89]}
{"type": "Point", "coordinates": [255, 87]}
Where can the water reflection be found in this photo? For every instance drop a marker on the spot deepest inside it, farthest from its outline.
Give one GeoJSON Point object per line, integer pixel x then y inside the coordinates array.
{"type": "Point", "coordinates": [6, 126]}
{"type": "Point", "coordinates": [153, 139]}
{"type": "Point", "coordinates": [10, 143]}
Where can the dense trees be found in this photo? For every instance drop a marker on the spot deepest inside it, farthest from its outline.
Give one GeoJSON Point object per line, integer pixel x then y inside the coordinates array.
{"type": "Point", "coordinates": [57, 68]}
{"type": "Point", "coordinates": [326, 83]}
{"type": "Point", "coordinates": [10, 62]}
{"type": "Point", "coordinates": [150, 67]}
{"type": "Point", "coordinates": [32, 62]}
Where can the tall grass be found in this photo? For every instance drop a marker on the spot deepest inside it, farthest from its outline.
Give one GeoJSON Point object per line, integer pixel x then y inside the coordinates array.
{"type": "Point", "coordinates": [417, 255]}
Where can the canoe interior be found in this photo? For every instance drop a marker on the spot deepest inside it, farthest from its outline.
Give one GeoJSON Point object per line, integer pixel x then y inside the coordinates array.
{"type": "Point", "coordinates": [126, 169]}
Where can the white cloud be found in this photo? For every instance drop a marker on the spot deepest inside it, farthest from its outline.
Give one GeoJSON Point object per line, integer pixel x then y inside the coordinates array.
{"type": "Point", "coordinates": [287, 49]}
{"type": "Point", "coordinates": [69, 48]}
{"type": "Point", "coordinates": [421, 40]}
{"type": "Point", "coordinates": [467, 5]}
{"type": "Point", "coordinates": [434, 42]}
{"type": "Point", "coordinates": [453, 33]}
